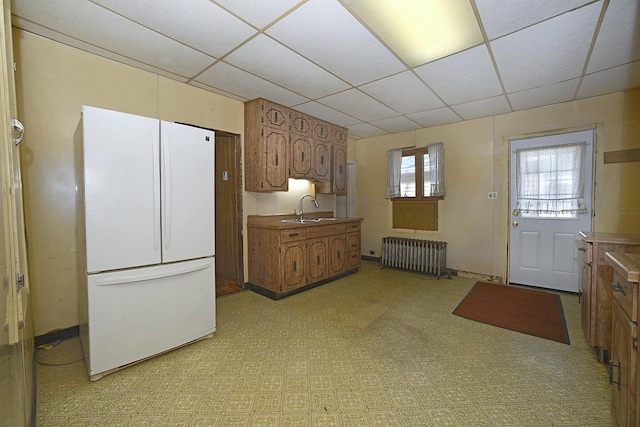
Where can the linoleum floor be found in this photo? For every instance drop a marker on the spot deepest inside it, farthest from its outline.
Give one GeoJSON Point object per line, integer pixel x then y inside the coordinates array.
{"type": "Point", "coordinates": [375, 348]}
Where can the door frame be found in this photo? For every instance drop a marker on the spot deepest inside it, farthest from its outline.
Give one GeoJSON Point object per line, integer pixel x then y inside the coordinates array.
{"type": "Point", "coordinates": [597, 129]}
{"type": "Point", "coordinates": [238, 226]}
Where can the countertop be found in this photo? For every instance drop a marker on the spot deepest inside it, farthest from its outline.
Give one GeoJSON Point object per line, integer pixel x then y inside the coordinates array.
{"type": "Point", "coordinates": [276, 221]}
{"type": "Point", "coordinates": [626, 264]}
{"type": "Point", "coordinates": [622, 238]}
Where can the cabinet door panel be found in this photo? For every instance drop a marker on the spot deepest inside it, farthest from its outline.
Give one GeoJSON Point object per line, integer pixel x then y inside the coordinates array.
{"type": "Point", "coordinates": [623, 367]}
{"type": "Point", "coordinates": [338, 250]}
{"type": "Point", "coordinates": [276, 116]}
{"type": "Point", "coordinates": [293, 268]}
{"type": "Point", "coordinates": [301, 156]}
{"type": "Point", "coordinates": [321, 161]}
{"type": "Point", "coordinates": [276, 159]}
{"type": "Point", "coordinates": [339, 169]}
{"type": "Point", "coordinates": [317, 250]}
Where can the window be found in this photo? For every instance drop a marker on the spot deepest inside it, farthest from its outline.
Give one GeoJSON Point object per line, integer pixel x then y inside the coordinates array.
{"type": "Point", "coordinates": [415, 183]}
{"type": "Point", "coordinates": [416, 173]}
{"type": "Point", "coordinates": [550, 181]}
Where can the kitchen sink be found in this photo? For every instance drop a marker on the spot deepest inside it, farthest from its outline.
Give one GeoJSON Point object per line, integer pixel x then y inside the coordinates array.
{"type": "Point", "coordinates": [296, 220]}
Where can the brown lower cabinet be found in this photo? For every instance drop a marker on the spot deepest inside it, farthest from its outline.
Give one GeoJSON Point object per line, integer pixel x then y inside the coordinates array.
{"type": "Point", "coordinates": [287, 258]}
{"type": "Point", "coordinates": [596, 296]}
{"type": "Point", "coordinates": [623, 366]}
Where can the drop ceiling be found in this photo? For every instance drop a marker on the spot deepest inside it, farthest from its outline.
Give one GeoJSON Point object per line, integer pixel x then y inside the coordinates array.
{"type": "Point", "coordinates": [318, 57]}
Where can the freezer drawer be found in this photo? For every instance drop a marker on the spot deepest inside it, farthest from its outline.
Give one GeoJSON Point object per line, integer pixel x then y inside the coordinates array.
{"type": "Point", "coordinates": [135, 314]}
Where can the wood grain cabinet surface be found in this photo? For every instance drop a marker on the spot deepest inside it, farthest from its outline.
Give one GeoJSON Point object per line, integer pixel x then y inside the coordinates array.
{"type": "Point", "coordinates": [623, 366]}
{"type": "Point", "coordinates": [596, 296]}
{"type": "Point", "coordinates": [282, 143]}
{"type": "Point", "coordinates": [285, 259]}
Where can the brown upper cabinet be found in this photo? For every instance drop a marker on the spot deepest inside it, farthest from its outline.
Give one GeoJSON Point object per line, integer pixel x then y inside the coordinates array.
{"type": "Point", "coordinates": [282, 143]}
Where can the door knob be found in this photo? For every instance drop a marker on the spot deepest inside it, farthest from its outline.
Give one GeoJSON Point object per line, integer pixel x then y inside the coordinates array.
{"type": "Point", "coordinates": [514, 223]}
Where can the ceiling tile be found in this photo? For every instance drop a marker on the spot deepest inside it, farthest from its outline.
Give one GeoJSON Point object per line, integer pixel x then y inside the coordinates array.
{"type": "Point", "coordinates": [439, 116]}
{"type": "Point", "coordinates": [549, 52]}
{"type": "Point", "coordinates": [70, 41]}
{"type": "Point", "coordinates": [618, 41]}
{"type": "Point", "coordinates": [463, 77]}
{"type": "Point", "coordinates": [195, 23]}
{"type": "Point", "coordinates": [396, 124]}
{"type": "Point", "coordinates": [545, 95]}
{"type": "Point", "coordinates": [229, 78]}
{"type": "Point", "coordinates": [403, 92]}
{"type": "Point", "coordinates": [611, 80]}
{"type": "Point", "coordinates": [365, 130]}
{"type": "Point", "coordinates": [323, 112]}
{"type": "Point", "coordinates": [360, 105]}
{"type": "Point", "coordinates": [482, 108]}
{"type": "Point", "coordinates": [324, 32]}
{"type": "Point", "coordinates": [272, 61]}
{"type": "Point", "coordinates": [258, 13]}
{"type": "Point", "coordinates": [218, 91]}
{"type": "Point", "coordinates": [503, 17]}
{"type": "Point", "coordinates": [97, 26]}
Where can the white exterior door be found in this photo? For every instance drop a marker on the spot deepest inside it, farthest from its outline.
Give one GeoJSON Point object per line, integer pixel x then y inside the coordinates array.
{"type": "Point", "coordinates": [543, 246]}
{"type": "Point", "coordinates": [121, 189]}
{"type": "Point", "coordinates": [188, 215]}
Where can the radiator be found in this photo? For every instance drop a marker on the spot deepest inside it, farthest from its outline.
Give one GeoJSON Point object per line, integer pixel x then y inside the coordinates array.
{"type": "Point", "coordinates": [422, 256]}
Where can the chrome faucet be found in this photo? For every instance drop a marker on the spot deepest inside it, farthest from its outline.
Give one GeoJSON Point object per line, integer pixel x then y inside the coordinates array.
{"type": "Point", "coordinates": [315, 202]}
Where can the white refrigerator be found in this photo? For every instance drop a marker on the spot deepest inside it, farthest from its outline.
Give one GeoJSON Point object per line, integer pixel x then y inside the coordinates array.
{"type": "Point", "coordinates": [145, 214]}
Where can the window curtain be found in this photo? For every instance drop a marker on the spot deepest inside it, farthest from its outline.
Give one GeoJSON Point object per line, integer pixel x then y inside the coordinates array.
{"type": "Point", "coordinates": [436, 169]}
{"type": "Point", "coordinates": [394, 161]}
{"type": "Point", "coordinates": [550, 180]}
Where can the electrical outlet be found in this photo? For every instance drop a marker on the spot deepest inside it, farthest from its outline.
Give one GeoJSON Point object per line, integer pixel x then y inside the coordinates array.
{"type": "Point", "coordinates": [493, 195]}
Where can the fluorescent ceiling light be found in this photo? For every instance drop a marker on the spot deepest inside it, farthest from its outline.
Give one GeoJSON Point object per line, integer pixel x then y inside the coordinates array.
{"type": "Point", "coordinates": [420, 31]}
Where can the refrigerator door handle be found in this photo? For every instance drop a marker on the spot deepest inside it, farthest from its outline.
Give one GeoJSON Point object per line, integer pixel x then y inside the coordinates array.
{"type": "Point", "coordinates": [124, 277]}
{"type": "Point", "coordinates": [166, 217]}
{"type": "Point", "coordinates": [156, 190]}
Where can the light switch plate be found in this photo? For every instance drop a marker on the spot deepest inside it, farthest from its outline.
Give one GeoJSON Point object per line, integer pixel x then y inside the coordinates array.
{"type": "Point", "coordinates": [493, 195]}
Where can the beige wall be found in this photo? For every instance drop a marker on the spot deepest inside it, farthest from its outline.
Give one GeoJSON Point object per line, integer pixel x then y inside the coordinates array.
{"type": "Point", "coordinates": [630, 172]}
{"type": "Point", "coordinates": [476, 162]}
{"type": "Point", "coordinates": [54, 80]}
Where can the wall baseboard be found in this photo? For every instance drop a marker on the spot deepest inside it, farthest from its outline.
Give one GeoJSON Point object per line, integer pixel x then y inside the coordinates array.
{"type": "Point", "coordinates": [59, 334]}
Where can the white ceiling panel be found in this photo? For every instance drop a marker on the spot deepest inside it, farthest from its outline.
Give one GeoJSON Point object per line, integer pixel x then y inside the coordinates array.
{"type": "Point", "coordinates": [503, 17]}
{"type": "Point", "coordinates": [482, 108]}
{"type": "Point", "coordinates": [195, 23]}
{"type": "Point", "coordinates": [365, 130]}
{"type": "Point", "coordinates": [317, 57]}
{"type": "Point", "coordinates": [323, 31]}
{"type": "Point", "coordinates": [396, 124]}
{"type": "Point", "coordinates": [95, 25]}
{"type": "Point", "coordinates": [549, 52]}
{"type": "Point", "coordinates": [463, 77]}
{"type": "Point", "coordinates": [323, 112]}
{"type": "Point", "coordinates": [258, 13]}
{"type": "Point", "coordinates": [288, 70]}
{"type": "Point", "coordinates": [403, 92]}
{"type": "Point", "coordinates": [248, 86]}
{"type": "Point", "coordinates": [361, 105]}
{"type": "Point", "coordinates": [79, 44]}
{"type": "Point", "coordinates": [619, 37]}
{"type": "Point", "coordinates": [545, 95]}
{"type": "Point", "coordinates": [611, 80]}
{"type": "Point", "coordinates": [439, 116]}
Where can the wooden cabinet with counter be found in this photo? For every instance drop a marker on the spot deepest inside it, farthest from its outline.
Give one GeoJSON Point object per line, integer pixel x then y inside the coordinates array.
{"type": "Point", "coordinates": [623, 366]}
{"type": "Point", "coordinates": [595, 293]}
{"type": "Point", "coordinates": [286, 257]}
